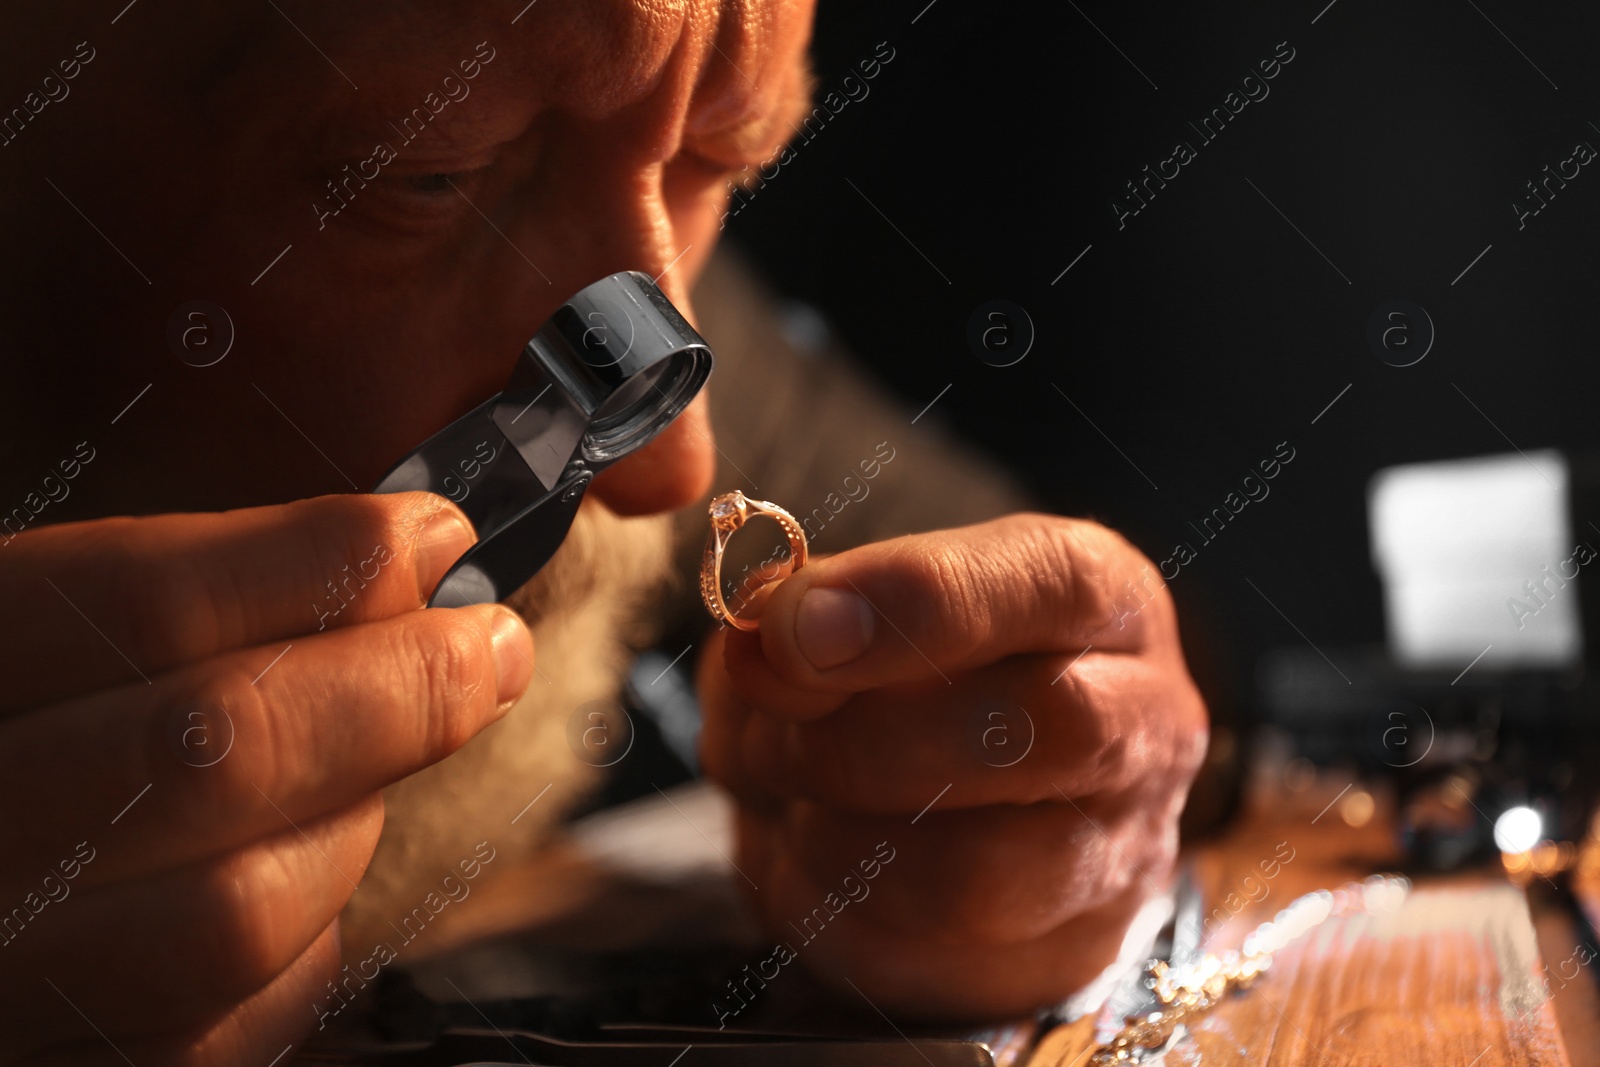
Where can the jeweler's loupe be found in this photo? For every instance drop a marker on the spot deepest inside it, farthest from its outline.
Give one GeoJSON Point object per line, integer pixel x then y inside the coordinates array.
{"type": "Point", "coordinates": [611, 368]}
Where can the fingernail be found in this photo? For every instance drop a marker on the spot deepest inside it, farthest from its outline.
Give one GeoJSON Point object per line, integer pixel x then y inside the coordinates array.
{"type": "Point", "coordinates": [443, 539]}
{"type": "Point", "coordinates": [832, 627]}
{"type": "Point", "coordinates": [513, 654]}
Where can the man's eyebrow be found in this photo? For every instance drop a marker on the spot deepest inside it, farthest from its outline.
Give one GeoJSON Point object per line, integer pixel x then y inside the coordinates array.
{"type": "Point", "coordinates": [400, 118]}
{"type": "Point", "coordinates": [761, 134]}
{"type": "Point", "coordinates": [797, 103]}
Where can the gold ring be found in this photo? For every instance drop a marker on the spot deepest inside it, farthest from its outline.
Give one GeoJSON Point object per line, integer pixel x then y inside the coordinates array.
{"type": "Point", "coordinates": [729, 512]}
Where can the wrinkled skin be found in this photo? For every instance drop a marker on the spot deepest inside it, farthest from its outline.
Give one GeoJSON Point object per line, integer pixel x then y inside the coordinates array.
{"type": "Point", "coordinates": [1014, 874]}
{"type": "Point", "coordinates": [197, 141]}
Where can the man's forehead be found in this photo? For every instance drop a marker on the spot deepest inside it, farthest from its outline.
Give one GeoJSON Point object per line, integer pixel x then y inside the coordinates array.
{"type": "Point", "coordinates": [740, 61]}
{"type": "Point", "coordinates": [597, 54]}
{"type": "Point", "coordinates": [711, 66]}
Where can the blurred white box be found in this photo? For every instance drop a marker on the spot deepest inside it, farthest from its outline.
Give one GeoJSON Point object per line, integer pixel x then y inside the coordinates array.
{"type": "Point", "coordinates": [1478, 554]}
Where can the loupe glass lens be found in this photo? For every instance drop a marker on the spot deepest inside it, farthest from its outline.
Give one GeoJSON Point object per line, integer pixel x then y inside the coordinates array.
{"type": "Point", "coordinates": [643, 406]}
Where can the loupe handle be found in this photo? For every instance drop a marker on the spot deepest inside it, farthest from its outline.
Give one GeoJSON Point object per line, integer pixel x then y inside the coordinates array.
{"type": "Point", "coordinates": [518, 548]}
{"type": "Point", "coordinates": [520, 523]}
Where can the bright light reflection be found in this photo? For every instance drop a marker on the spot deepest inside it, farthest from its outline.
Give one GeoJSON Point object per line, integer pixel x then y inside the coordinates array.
{"type": "Point", "coordinates": [1518, 829]}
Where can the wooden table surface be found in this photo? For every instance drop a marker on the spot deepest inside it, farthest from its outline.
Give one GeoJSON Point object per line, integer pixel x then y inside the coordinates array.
{"type": "Point", "coordinates": [1462, 975]}
{"type": "Point", "coordinates": [1470, 972]}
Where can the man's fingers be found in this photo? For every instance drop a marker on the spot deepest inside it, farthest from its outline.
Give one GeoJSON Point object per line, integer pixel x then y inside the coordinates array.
{"type": "Point", "coordinates": [1020, 731]}
{"type": "Point", "coordinates": [254, 742]}
{"type": "Point", "coordinates": [118, 600]}
{"type": "Point", "coordinates": [274, 1018]}
{"type": "Point", "coordinates": [954, 879]}
{"type": "Point", "coordinates": [921, 608]}
{"type": "Point", "coordinates": [266, 1025]}
{"type": "Point", "coordinates": [912, 977]}
{"type": "Point", "coordinates": [191, 942]}
{"type": "Point", "coordinates": [963, 920]}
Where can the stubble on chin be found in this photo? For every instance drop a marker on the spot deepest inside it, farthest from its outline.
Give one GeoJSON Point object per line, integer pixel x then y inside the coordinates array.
{"type": "Point", "coordinates": [589, 608]}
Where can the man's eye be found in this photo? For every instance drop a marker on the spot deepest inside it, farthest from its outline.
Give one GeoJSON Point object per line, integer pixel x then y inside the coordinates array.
{"type": "Point", "coordinates": [442, 182]}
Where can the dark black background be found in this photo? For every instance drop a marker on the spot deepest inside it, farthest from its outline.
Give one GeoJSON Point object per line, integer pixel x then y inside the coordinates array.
{"type": "Point", "coordinates": [1208, 330]}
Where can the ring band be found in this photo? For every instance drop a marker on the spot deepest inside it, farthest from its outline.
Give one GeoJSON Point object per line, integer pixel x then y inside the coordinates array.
{"type": "Point", "coordinates": [729, 512]}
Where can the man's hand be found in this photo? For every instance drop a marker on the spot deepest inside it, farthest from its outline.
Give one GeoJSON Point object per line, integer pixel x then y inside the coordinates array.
{"type": "Point", "coordinates": [1006, 709]}
{"type": "Point", "coordinates": [199, 713]}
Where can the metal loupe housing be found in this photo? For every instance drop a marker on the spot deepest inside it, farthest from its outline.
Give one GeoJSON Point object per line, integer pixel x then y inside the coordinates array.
{"type": "Point", "coordinates": [611, 368]}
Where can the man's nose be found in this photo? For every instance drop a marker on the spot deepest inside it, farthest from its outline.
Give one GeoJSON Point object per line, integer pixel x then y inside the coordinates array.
{"type": "Point", "coordinates": [627, 224]}
{"type": "Point", "coordinates": [671, 472]}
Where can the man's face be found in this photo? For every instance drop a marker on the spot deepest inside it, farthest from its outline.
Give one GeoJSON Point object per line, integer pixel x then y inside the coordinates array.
{"type": "Point", "coordinates": [387, 200]}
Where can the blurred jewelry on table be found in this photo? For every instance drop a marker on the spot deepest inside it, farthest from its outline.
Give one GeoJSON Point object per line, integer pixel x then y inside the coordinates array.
{"type": "Point", "coordinates": [1186, 993]}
